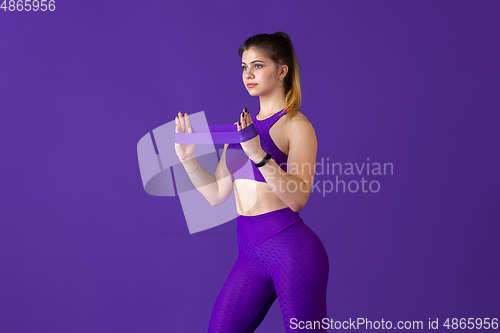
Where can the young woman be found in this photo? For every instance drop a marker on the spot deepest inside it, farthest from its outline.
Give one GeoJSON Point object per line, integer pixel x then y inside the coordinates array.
{"type": "Point", "coordinates": [279, 256]}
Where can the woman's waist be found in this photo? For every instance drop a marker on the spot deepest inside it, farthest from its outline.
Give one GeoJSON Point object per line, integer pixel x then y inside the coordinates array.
{"type": "Point", "coordinates": [260, 207]}
{"type": "Point", "coordinates": [257, 228]}
{"type": "Point", "coordinates": [277, 216]}
{"type": "Point", "coordinates": [255, 198]}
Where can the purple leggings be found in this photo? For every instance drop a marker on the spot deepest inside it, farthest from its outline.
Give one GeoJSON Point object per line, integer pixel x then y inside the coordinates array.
{"type": "Point", "coordinates": [292, 265]}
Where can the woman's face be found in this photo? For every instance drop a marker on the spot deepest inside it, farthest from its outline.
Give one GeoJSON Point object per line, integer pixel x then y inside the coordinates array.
{"type": "Point", "coordinates": [260, 71]}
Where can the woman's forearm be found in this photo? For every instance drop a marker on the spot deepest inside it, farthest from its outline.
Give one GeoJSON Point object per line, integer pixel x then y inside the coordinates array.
{"type": "Point", "coordinates": [203, 180]}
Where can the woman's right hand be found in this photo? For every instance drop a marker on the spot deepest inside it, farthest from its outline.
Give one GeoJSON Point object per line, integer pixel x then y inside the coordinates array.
{"type": "Point", "coordinates": [184, 151]}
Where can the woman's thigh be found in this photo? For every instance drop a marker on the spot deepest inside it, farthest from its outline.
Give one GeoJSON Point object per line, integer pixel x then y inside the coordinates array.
{"type": "Point", "coordinates": [244, 299]}
{"type": "Point", "coordinates": [299, 266]}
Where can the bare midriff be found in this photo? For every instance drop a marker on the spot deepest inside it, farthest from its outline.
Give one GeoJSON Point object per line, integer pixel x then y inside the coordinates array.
{"type": "Point", "coordinates": [255, 198]}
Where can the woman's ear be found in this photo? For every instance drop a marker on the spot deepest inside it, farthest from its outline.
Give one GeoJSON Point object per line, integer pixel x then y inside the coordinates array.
{"type": "Point", "coordinates": [284, 70]}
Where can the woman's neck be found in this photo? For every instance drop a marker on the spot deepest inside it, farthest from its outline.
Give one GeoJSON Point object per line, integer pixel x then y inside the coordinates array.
{"type": "Point", "coordinates": [269, 105]}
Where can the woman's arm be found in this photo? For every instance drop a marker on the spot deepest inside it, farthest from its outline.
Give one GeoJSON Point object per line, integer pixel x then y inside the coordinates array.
{"type": "Point", "coordinates": [215, 188]}
{"type": "Point", "coordinates": [294, 186]}
{"type": "Point", "coordinates": [224, 179]}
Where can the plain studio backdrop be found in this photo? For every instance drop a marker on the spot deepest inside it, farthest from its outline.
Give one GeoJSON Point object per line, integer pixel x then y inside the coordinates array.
{"type": "Point", "coordinates": [410, 84]}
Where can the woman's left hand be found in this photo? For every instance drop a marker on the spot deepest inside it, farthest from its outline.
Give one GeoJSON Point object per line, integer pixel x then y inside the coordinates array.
{"type": "Point", "coordinates": [251, 147]}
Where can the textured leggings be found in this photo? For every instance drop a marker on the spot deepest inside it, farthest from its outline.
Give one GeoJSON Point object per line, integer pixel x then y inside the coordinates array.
{"type": "Point", "coordinates": [291, 266]}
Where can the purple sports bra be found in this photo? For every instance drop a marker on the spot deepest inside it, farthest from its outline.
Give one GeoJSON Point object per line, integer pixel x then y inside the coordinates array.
{"type": "Point", "coordinates": [238, 163]}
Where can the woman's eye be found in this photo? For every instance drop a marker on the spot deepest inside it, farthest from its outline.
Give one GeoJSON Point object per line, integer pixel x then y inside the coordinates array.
{"type": "Point", "coordinates": [244, 67]}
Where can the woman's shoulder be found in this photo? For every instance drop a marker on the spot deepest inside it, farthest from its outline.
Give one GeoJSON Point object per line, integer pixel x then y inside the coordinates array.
{"type": "Point", "coordinates": [299, 122]}
{"type": "Point", "coordinates": [299, 116]}
{"type": "Point", "coordinates": [301, 133]}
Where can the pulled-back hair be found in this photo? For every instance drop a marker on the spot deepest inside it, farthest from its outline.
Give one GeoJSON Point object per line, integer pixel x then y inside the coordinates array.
{"type": "Point", "coordinates": [279, 48]}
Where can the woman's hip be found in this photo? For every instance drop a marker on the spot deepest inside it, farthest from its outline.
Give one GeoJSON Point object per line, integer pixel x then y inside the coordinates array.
{"type": "Point", "coordinates": [281, 233]}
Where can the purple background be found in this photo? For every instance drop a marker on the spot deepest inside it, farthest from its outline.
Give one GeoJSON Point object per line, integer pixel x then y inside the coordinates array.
{"type": "Point", "coordinates": [85, 249]}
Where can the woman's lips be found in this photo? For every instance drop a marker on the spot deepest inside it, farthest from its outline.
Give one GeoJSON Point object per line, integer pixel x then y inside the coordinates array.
{"type": "Point", "coordinates": [250, 85]}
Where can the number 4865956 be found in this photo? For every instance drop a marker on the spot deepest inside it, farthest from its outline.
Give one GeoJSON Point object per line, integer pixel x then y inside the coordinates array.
{"type": "Point", "coordinates": [28, 5]}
